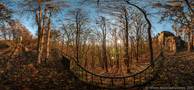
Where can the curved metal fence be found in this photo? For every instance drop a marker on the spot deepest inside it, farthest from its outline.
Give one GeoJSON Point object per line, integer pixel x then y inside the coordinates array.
{"type": "Point", "coordinates": [136, 79]}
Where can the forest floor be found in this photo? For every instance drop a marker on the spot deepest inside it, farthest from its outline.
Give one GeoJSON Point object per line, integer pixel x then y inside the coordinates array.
{"type": "Point", "coordinates": [177, 71]}
{"type": "Point", "coordinates": [22, 73]}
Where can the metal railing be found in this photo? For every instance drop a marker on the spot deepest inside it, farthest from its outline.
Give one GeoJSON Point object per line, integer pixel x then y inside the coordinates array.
{"type": "Point", "coordinates": [133, 80]}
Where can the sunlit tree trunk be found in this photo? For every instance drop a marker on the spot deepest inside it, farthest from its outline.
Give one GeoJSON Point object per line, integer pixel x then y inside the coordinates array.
{"type": "Point", "coordinates": [41, 31]}
{"type": "Point", "coordinates": [42, 42]}
{"type": "Point", "coordinates": [39, 23]}
{"type": "Point", "coordinates": [48, 39]}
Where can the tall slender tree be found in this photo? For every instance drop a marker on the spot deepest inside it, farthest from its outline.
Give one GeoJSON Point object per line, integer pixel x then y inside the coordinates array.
{"type": "Point", "coordinates": [116, 42]}
{"type": "Point", "coordinates": [48, 37]}
{"type": "Point", "coordinates": [103, 27]}
{"type": "Point", "coordinates": [40, 8]}
{"type": "Point", "coordinates": [80, 19]}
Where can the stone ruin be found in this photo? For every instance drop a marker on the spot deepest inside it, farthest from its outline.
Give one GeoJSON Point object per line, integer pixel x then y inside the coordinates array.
{"type": "Point", "coordinates": [169, 42]}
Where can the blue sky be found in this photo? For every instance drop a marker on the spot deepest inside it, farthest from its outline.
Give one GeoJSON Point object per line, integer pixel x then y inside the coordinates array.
{"type": "Point", "coordinates": [30, 24]}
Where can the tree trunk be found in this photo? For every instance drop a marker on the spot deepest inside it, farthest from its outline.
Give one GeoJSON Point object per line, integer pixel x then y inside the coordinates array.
{"type": "Point", "coordinates": [131, 48]}
{"type": "Point", "coordinates": [137, 43]}
{"type": "Point", "coordinates": [126, 44]}
{"type": "Point", "coordinates": [190, 40]}
{"type": "Point", "coordinates": [93, 54]}
{"type": "Point", "coordinates": [5, 36]}
{"type": "Point", "coordinates": [41, 23]}
{"type": "Point", "coordinates": [41, 43]}
{"type": "Point", "coordinates": [38, 20]}
{"type": "Point", "coordinates": [48, 40]}
{"type": "Point", "coordinates": [137, 50]}
{"type": "Point", "coordinates": [116, 47]}
{"type": "Point", "coordinates": [104, 54]}
{"type": "Point", "coordinates": [149, 31]}
{"type": "Point", "coordinates": [4, 33]}
{"type": "Point", "coordinates": [77, 38]}
{"type": "Point", "coordinates": [100, 57]}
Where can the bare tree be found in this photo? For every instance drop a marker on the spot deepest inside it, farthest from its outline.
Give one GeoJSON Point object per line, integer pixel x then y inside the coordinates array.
{"type": "Point", "coordinates": [39, 8]}
{"type": "Point", "coordinates": [48, 37]}
{"type": "Point", "coordinates": [174, 11]}
{"type": "Point", "coordinates": [116, 42]}
{"type": "Point", "coordinates": [125, 22]}
{"type": "Point", "coordinates": [103, 27]}
{"type": "Point", "coordinates": [5, 16]}
{"type": "Point", "coordinates": [4, 32]}
{"type": "Point", "coordinates": [5, 13]}
{"type": "Point", "coordinates": [80, 20]}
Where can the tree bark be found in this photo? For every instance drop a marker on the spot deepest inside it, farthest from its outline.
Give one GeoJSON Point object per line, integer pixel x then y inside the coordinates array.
{"type": "Point", "coordinates": [77, 36]}
{"type": "Point", "coordinates": [104, 53]}
{"type": "Point", "coordinates": [39, 23]}
{"type": "Point", "coordinates": [190, 39]}
{"type": "Point", "coordinates": [126, 43]}
{"type": "Point", "coordinates": [137, 47]}
{"type": "Point", "coordinates": [48, 39]}
{"type": "Point", "coordinates": [116, 47]}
